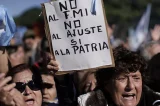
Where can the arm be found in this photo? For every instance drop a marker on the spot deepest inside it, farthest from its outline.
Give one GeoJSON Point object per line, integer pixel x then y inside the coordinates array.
{"type": "Point", "coordinates": [9, 96]}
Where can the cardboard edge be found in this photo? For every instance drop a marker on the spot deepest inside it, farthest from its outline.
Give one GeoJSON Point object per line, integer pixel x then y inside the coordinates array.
{"type": "Point", "coordinates": [90, 69]}
{"type": "Point", "coordinates": [48, 35]}
{"type": "Point", "coordinates": [106, 23]}
{"type": "Point", "coordinates": [51, 49]}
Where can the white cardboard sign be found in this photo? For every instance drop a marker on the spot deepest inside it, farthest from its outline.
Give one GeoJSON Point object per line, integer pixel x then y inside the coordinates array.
{"type": "Point", "coordinates": [79, 38]}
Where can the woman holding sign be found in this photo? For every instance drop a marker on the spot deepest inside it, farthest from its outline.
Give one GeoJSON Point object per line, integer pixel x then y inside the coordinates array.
{"type": "Point", "coordinates": [122, 85]}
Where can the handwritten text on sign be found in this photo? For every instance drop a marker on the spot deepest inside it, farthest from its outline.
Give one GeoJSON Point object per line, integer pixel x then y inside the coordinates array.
{"type": "Point", "coordinates": [79, 39]}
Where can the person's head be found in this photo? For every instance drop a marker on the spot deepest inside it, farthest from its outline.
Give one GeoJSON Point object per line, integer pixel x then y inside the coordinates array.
{"type": "Point", "coordinates": [154, 72]}
{"type": "Point", "coordinates": [88, 82]}
{"type": "Point", "coordinates": [49, 87]}
{"type": "Point", "coordinates": [28, 82]}
{"type": "Point", "coordinates": [124, 81]}
{"type": "Point", "coordinates": [38, 28]}
{"type": "Point", "coordinates": [28, 40]}
{"type": "Point", "coordinates": [45, 45]}
{"type": "Point", "coordinates": [150, 49]}
{"type": "Point", "coordinates": [16, 54]}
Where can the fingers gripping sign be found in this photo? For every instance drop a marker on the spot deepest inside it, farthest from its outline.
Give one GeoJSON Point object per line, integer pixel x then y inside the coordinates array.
{"type": "Point", "coordinates": [52, 65]}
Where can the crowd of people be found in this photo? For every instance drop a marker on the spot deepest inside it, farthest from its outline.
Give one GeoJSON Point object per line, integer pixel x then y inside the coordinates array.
{"type": "Point", "coordinates": [132, 82]}
{"type": "Point", "coordinates": [28, 74]}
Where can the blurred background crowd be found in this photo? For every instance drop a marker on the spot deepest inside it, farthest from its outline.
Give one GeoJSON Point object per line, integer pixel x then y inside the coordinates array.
{"type": "Point", "coordinates": [133, 24]}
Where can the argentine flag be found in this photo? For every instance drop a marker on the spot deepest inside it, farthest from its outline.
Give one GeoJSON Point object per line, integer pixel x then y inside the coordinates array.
{"type": "Point", "coordinates": [7, 27]}
{"type": "Point", "coordinates": [138, 36]}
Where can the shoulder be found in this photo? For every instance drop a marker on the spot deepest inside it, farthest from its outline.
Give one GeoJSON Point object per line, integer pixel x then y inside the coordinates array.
{"type": "Point", "coordinates": [149, 92]}
{"type": "Point", "coordinates": [50, 104]}
{"type": "Point", "coordinates": [94, 98]}
{"type": "Point", "coordinates": [149, 96]}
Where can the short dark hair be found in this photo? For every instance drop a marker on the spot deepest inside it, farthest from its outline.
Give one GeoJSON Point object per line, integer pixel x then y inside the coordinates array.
{"type": "Point", "coordinates": [21, 67]}
{"type": "Point", "coordinates": [125, 62]}
{"type": "Point", "coordinates": [17, 68]}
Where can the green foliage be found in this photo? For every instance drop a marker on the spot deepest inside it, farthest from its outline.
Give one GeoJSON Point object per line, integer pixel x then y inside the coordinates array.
{"type": "Point", "coordinates": [130, 11]}
{"type": "Point", "coordinates": [126, 12]}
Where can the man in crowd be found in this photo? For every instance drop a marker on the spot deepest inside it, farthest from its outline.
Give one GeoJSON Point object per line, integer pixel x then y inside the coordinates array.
{"type": "Point", "coordinates": [49, 89]}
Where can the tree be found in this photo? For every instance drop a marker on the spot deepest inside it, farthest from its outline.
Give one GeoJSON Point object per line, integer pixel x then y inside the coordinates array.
{"type": "Point", "coordinates": [29, 17]}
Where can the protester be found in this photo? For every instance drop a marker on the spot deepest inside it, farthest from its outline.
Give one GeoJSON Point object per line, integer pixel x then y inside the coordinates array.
{"type": "Point", "coordinates": [28, 40]}
{"type": "Point", "coordinates": [88, 82]}
{"type": "Point", "coordinates": [16, 55]}
{"type": "Point", "coordinates": [49, 89]}
{"type": "Point", "coordinates": [28, 83]}
{"type": "Point", "coordinates": [154, 72]}
{"type": "Point", "coordinates": [122, 85]}
{"type": "Point", "coordinates": [150, 49]}
{"type": "Point", "coordinates": [32, 88]}
{"type": "Point", "coordinates": [39, 34]}
{"type": "Point", "coordinates": [29, 46]}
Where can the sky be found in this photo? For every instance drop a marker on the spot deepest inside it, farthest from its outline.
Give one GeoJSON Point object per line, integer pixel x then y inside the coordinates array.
{"type": "Point", "coordinates": [17, 7]}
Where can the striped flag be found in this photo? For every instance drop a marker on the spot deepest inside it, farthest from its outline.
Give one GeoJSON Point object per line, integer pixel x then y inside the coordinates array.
{"type": "Point", "coordinates": [93, 7]}
{"type": "Point", "coordinates": [7, 27]}
{"type": "Point", "coordinates": [141, 31]}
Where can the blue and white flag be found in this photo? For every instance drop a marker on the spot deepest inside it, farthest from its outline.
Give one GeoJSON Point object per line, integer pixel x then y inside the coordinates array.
{"type": "Point", "coordinates": [93, 7]}
{"type": "Point", "coordinates": [7, 27]}
{"type": "Point", "coordinates": [20, 30]}
{"type": "Point", "coordinates": [141, 31]}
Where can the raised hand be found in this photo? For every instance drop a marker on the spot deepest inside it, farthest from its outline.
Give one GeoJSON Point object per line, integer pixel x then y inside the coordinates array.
{"type": "Point", "coordinates": [155, 33]}
{"type": "Point", "coordinates": [9, 96]}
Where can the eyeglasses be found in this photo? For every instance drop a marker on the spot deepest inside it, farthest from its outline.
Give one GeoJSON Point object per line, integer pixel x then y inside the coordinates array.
{"type": "Point", "coordinates": [20, 86]}
{"type": "Point", "coordinates": [47, 85]}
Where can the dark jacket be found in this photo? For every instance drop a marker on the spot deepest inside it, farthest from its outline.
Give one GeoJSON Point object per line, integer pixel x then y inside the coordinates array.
{"type": "Point", "coordinates": [49, 104]}
{"type": "Point", "coordinates": [99, 98]}
{"type": "Point", "coordinates": [148, 97]}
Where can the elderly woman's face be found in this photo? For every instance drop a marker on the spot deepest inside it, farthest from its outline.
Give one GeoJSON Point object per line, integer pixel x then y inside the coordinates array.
{"type": "Point", "coordinates": [32, 97]}
{"type": "Point", "coordinates": [126, 89]}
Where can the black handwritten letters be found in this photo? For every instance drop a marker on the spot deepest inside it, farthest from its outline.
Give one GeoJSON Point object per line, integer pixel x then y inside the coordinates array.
{"type": "Point", "coordinates": [52, 18]}
{"type": "Point", "coordinates": [72, 8]}
{"type": "Point", "coordinates": [86, 31]}
{"type": "Point", "coordinates": [74, 31]}
{"type": "Point", "coordinates": [87, 47]}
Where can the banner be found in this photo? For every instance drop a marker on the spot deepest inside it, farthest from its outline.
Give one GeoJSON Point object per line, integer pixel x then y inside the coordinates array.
{"type": "Point", "coordinates": [77, 31]}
